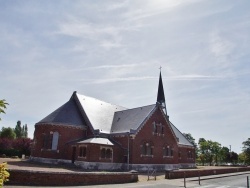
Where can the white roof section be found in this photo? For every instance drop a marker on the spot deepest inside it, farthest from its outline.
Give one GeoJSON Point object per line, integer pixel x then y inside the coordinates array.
{"type": "Point", "coordinates": [99, 113]}
{"type": "Point", "coordinates": [102, 141]}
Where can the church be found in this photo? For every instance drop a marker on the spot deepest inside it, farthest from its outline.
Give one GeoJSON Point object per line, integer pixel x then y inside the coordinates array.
{"type": "Point", "coordinates": [97, 135]}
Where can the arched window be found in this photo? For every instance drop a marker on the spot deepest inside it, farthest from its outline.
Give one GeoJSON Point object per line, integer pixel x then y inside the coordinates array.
{"type": "Point", "coordinates": [171, 152]}
{"type": "Point", "coordinates": [158, 129]}
{"type": "Point", "coordinates": [55, 140]}
{"type": "Point", "coordinates": [147, 149]}
{"type": "Point", "coordinates": [154, 128]}
{"type": "Point", "coordinates": [103, 153]}
{"type": "Point", "coordinates": [168, 151]}
{"type": "Point", "coordinates": [106, 153]}
{"type": "Point", "coordinates": [82, 151]}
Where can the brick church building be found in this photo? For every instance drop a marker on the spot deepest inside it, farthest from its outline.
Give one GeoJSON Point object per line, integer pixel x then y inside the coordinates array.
{"type": "Point", "coordinates": [96, 135]}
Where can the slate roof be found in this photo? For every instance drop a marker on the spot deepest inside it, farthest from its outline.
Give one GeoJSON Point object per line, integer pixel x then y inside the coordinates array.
{"type": "Point", "coordinates": [130, 119]}
{"type": "Point", "coordinates": [181, 138]}
{"type": "Point", "coordinates": [108, 118]}
{"type": "Point", "coordinates": [99, 113]}
{"type": "Point", "coordinates": [67, 114]}
{"type": "Point", "coordinates": [102, 141]}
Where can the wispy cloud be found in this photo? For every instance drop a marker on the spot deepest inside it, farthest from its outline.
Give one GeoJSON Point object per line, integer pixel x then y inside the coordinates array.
{"type": "Point", "coordinates": [220, 46]}
{"type": "Point", "coordinates": [143, 78]}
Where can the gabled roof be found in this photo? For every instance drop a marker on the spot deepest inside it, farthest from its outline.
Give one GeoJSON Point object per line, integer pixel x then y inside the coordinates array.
{"type": "Point", "coordinates": [129, 119]}
{"type": "Point", "coordinates": [100, 114]}
{"type": "Point", "coordinates": [68, 114]}
{"type": "Point", "coordinates": [181, 138]}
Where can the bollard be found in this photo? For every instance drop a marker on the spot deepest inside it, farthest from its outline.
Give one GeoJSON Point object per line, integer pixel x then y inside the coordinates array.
{"type": "Point", "coordinates": [184, 179]}
{"type": "Point", "coordinates": [199, 178]}
{"type": "Point", "coordinates": [247, 182]}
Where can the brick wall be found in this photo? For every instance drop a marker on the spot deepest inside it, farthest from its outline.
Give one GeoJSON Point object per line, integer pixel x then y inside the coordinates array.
{"type": "Point", "coordinates": [187, 154]}
{"type": "Point", "coordinates": [23, 177]}
{"type": "Point", "coordinates": [66, 134]}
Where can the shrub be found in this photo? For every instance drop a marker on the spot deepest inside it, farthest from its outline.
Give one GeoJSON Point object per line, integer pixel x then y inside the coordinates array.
{"type": "Point", "coordinates": [4, 174]}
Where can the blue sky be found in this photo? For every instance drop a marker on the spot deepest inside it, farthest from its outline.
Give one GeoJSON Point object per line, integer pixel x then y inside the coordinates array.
{"type": "Point", "coordinates": [112, 50]}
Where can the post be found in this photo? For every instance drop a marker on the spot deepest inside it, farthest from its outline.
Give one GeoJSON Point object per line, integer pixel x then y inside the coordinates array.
{"type": "Point", "coordinates": [184, 179]}
{"type": "Point", "coordinates": [199, 177]}
{"type": "Point", "coordinates": [128, 150]}
{"type": "Point", "coordinates": [247, 182]}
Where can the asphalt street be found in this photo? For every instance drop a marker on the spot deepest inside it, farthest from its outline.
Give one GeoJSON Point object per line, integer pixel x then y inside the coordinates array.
{"type": "Point", "coordinates": [238, 181]}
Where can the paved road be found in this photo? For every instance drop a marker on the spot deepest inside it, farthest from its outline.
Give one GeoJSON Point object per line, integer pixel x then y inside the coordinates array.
{"type": "Point", "coordinates": [239, 181]}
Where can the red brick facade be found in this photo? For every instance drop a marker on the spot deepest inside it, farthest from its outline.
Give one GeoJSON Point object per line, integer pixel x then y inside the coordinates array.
{"type": "Point", "coordinates": [156, 140]}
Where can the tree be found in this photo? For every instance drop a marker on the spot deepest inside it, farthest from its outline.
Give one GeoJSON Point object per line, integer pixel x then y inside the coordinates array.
{"type": "Point", "coordinates": [208, 151]}
{"type": "Point", "coordinates": [202, 150]}
{"type": "Point", "coordinates": [21, 131]}
{"type": "Point", "coordinates": [223, 154]}
{"type": "Point", "coordinates": [18, 129]}
{"type": "Point", "coordinates": [190, 139]}
{"type": "Point", "coordinates": [232, 157]}
{"type": "Point", "coordinates": [246, 150]}
{"type": "Point", "coordinates": [8, 133]}
{"type": "Point", "coordinates": [25, 134]}
{"type": "Point", "coordinates": [3, 105]}
{"type": "Point", "coordinates": [242, 158]}
{"type": "Point", "coordinates": [215, 148]}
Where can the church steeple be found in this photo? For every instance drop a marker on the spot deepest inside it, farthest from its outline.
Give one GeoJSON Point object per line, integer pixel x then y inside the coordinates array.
{"type": "Point", "coordinates": [161, 96]}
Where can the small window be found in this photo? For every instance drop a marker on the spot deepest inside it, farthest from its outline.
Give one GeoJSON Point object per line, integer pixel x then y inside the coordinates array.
{"type": "Point", "coordinates": [82, 151]}
{"type": "Point", "coordinates": [154, 128]}
{"type": "Point", "coordinates": [172, 152]}
{"type": "Point", "coordinates": [190, 155]}
{"type": "Point", "coordinates": [168, 151]}
{"type": "Point", "coordinates": [147, 149]}
{"type": "Point", "coordinates": [106, 153]}
{"type": "Point", "coordinates": [55, 140]}
{"type": "Point", "coordinates": [47, 141]}
{"type": "Point", "coordinates": [179, 154]}
{"type": "Point", "coordinates": [158, 129]}
{"type": "Point", "coordinates": [103, 153]}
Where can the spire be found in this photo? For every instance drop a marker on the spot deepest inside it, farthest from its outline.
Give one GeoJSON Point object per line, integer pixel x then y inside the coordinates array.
{"type": "Point", "coordinates": [160, 95]}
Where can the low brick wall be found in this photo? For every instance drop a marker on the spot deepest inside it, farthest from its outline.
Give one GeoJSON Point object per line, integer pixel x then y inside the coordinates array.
{"type": "Point", "coordinates": [206, 172]}
{"type": "Point", "coordinates": [42, 178]}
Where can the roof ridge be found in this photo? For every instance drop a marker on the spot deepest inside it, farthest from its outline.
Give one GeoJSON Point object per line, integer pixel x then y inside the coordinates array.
{"type": "Point", "coordinates": [101, 101]}
{"type": "Point", "coordinates": [136, 108]}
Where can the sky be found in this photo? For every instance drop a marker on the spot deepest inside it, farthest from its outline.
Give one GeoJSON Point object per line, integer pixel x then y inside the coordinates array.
{"type": "Point", "coordinates": [112, 50]}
